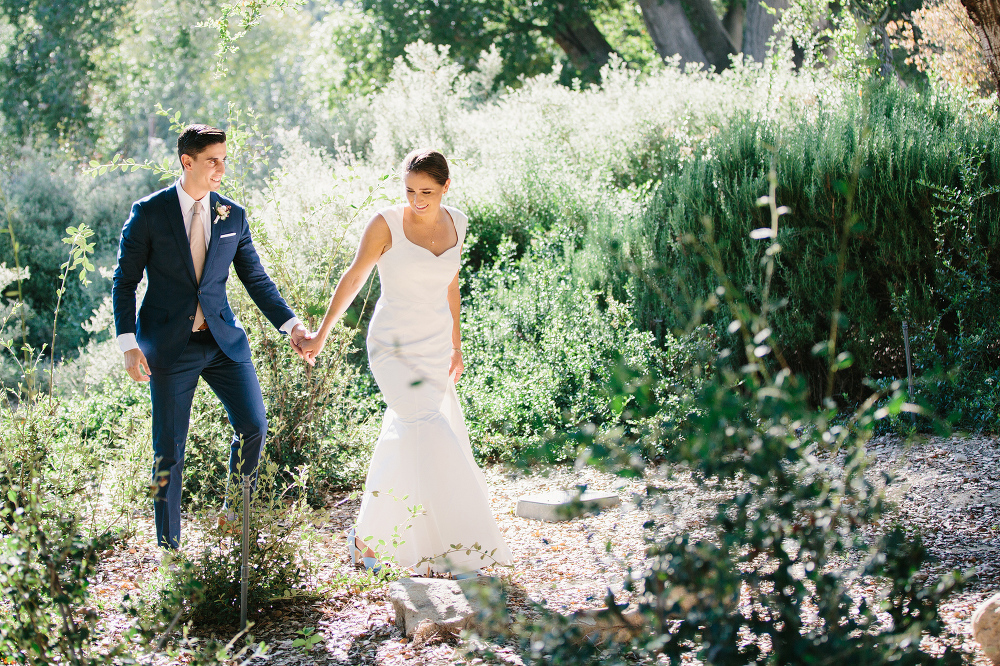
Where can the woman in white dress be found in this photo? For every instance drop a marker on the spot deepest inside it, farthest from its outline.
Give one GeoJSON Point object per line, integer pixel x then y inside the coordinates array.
{"type": "Point", "coordinates": [422, 459]}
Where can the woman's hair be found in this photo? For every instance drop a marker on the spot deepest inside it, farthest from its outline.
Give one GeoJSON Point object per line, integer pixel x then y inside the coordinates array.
{"type": "Point", "coordinates": [427, 161]}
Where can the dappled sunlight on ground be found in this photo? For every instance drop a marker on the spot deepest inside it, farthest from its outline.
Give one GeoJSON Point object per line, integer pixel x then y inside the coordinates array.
{"type": "Point", "coordinates": [949, 489]}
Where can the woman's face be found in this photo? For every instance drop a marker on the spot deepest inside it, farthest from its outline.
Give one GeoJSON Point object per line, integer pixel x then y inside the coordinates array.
{"type": "Point", "coordinates": [423, 193]}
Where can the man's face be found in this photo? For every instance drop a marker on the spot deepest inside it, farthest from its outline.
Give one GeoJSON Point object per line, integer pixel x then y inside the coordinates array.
{"type": "Point", "coordinates": [204, 171]}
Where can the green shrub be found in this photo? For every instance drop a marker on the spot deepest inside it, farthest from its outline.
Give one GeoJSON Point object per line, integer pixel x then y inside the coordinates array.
{"type": "Point", "coordinates": [45, 568]}
{"type": "Point", "coordinates": [540, 349]}
{"type": "Point", "coordinates": [55, 460]}
{"type": "Point", "coordinates": [957, 352]}
{"type": "Point", "coordinates": [46, 617]}
{"type": "Point", "coordinates": [904, 144]}
{"type": "Point", "coordinates": [280, 535]}
{"type": "Point", "coordinates": [41, 196]}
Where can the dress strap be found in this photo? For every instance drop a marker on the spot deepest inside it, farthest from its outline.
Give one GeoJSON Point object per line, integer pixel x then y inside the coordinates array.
{"type": "Point", "coordinates": [461, 223]}
{"type": "Point", "coordinates": [394, 218]}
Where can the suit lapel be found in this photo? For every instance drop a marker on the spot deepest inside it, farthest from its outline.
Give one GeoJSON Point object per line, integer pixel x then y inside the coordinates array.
{"type": "Point", "coordinates": [214, 243]}
{"type": "Point", "coordinates": [176, 221]}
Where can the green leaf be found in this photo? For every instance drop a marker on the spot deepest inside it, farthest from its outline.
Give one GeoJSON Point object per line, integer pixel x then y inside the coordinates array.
{"type": "Point", "coordinates": [844, 360]}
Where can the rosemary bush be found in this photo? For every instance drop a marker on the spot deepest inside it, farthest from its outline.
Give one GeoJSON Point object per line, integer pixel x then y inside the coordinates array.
{"type": "Point", "coordinates": [908, 148]}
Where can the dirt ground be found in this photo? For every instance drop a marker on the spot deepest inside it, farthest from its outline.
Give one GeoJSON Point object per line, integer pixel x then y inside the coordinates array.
{"type": "Point", "coordinates": [949, 488]}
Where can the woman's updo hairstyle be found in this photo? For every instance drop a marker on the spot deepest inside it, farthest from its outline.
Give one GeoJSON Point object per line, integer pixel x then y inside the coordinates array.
{"type": "Point", "coordinates": [427, 161]}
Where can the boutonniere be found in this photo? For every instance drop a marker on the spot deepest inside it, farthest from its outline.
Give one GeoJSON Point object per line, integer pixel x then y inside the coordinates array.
{"type": "Point", "coordinates": [221, 212]}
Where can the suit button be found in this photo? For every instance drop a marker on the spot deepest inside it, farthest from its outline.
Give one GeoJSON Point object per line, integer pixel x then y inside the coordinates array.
{"type": "Point", "coordinates": [191, 317]}
{"type": "Point", "coordinates": [199, 292]}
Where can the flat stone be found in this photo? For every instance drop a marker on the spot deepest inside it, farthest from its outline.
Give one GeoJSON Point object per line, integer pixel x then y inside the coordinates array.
{"type": "Point", "coordinates": [425, 606]}
{"type": "Point", "coordinates": [563, 505]}
{"type": "Point", "coordinates": [986, 628]}
{"type": "Point", "coordinates": [601, 625]}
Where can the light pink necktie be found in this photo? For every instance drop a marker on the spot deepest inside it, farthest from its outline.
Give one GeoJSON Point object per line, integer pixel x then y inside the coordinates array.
{"type": "Point", "coordinates": [197, 241]}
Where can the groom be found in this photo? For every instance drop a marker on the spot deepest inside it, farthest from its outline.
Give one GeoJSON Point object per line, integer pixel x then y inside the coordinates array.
{"type": "Point", "coordinates": [185, 238]}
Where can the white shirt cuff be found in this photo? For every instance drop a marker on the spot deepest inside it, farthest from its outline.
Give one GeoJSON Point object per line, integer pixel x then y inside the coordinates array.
{"type": "Point", "coordinates": [127, 342]}
{"type": "Point", "coordinates": [289, 325]}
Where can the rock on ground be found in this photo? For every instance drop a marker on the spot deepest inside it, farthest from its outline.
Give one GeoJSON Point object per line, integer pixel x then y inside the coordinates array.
{"type": "Point", "coordinates": [986, 627]}
{"type": "Point", "coordinates": [434, 605]}
{"type": "Point", "coordinates": [600, 625]}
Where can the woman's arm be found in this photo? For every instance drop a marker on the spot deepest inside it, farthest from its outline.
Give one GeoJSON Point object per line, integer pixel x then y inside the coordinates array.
{"type": "Point", "coordinates": [375, 241]}
{"type": "Point", "coordinates": [455, 303]}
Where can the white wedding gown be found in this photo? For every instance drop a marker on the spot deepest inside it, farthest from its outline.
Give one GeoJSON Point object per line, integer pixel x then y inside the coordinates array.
{"type": "Point", "coordinates": [423, 457]}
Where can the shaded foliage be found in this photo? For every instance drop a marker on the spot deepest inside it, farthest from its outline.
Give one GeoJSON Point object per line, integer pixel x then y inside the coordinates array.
{"type": "Point", "coordinates": [907, 145]}
{"type": "Point", "coordinates": [51, 60]}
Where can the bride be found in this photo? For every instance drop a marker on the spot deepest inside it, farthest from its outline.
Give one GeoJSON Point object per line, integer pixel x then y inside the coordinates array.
{"type": "Point", "coordinates": [424, 494]}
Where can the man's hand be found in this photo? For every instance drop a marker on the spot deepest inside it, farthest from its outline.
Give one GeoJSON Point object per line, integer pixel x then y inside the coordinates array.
{"type": "Point", "coordinates": [135, 364]}
{"type": "Point", "coordinates": [295, 338]}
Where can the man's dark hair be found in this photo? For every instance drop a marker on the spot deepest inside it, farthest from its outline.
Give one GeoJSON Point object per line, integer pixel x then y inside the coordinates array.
{"type": "Point", "coordinates": [196, 138]}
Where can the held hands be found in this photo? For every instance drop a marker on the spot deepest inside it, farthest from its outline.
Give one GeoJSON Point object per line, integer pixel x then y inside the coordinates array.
{"type": "Point", "coordinates": [307, 345]}
{"type": "Point", "coordinates": [136, 366]}
{"type": "Point", "coordinates": [296, 337]}
{"type": "Point", "coordinates": [312, 346]}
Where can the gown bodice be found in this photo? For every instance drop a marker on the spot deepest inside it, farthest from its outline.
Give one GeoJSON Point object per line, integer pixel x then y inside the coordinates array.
{"type": "Point", "coordinates": [413, 274]}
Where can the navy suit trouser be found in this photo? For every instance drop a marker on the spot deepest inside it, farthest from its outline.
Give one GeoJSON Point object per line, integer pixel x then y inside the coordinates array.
{"type": "Point", "coordinates": [171, 391]}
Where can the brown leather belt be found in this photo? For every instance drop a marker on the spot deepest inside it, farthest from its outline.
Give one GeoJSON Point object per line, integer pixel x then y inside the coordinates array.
{"type": "Point", "coordinates": [201, 335]}
{"type": "Point", "coordinates": [203, 327]}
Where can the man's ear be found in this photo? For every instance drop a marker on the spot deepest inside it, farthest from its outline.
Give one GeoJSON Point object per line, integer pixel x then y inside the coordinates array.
{"type": "Point", "coordinates": [186, 162]}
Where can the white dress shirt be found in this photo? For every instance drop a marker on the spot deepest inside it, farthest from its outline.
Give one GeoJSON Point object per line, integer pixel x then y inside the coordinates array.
{"type": "Point", "coordinates": [127, 341]}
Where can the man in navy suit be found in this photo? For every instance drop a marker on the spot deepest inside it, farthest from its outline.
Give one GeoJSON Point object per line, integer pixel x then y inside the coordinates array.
{"type": "Point", "coordinates": [185, 238]}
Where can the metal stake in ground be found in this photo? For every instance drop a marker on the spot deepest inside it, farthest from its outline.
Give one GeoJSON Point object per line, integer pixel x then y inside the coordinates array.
{"type": "Point", "coordinates": [909, 369]}
{"type": "Point", "coordinates": [245, 553]}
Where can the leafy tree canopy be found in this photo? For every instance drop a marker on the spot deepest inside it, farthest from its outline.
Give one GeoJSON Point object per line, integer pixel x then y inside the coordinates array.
{"type": "Point", "coordinates": [52, 55]}
{"type": "Point", "coordinates": [524, 32]}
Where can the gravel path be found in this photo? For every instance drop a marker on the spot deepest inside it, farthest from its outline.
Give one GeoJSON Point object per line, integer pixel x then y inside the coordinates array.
{"type": "Point", "coordinates": [949, 488]}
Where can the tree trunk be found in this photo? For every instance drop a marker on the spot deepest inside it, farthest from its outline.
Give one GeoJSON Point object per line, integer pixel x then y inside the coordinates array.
{"type": "Point", "coordinates": [671, 31]}
{"type": "Point", "coordinates": [760, 26]}
{"type": "Point", "coordinates": [711, 33]}
{"type": "Point", "coordinates": [733, 21]}
{"type": "Point", "coordinates": [700, 38]}
{"type": "Point", "coordinates": [985, 15]}
{"type": "Point", "coordinates": [582, 41]}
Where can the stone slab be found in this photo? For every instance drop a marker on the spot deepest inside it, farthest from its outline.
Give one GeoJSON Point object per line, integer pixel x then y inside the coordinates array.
{"type": "Point", "coordinates": [986, 628]}
{"type": "Point", "coordinates": [429, 605]}
{"type": "Point", "coordinates": [556, 505]}
{"type": "Point", "coordinates": [601, 626]}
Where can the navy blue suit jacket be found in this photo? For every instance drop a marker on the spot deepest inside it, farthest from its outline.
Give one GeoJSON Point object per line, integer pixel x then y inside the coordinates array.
{"type": "Point", "coordinates": [154, 240]}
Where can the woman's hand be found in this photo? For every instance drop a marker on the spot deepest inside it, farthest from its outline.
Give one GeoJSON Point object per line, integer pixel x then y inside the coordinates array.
{"type": "Point", "coordinates": [457, 366]}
